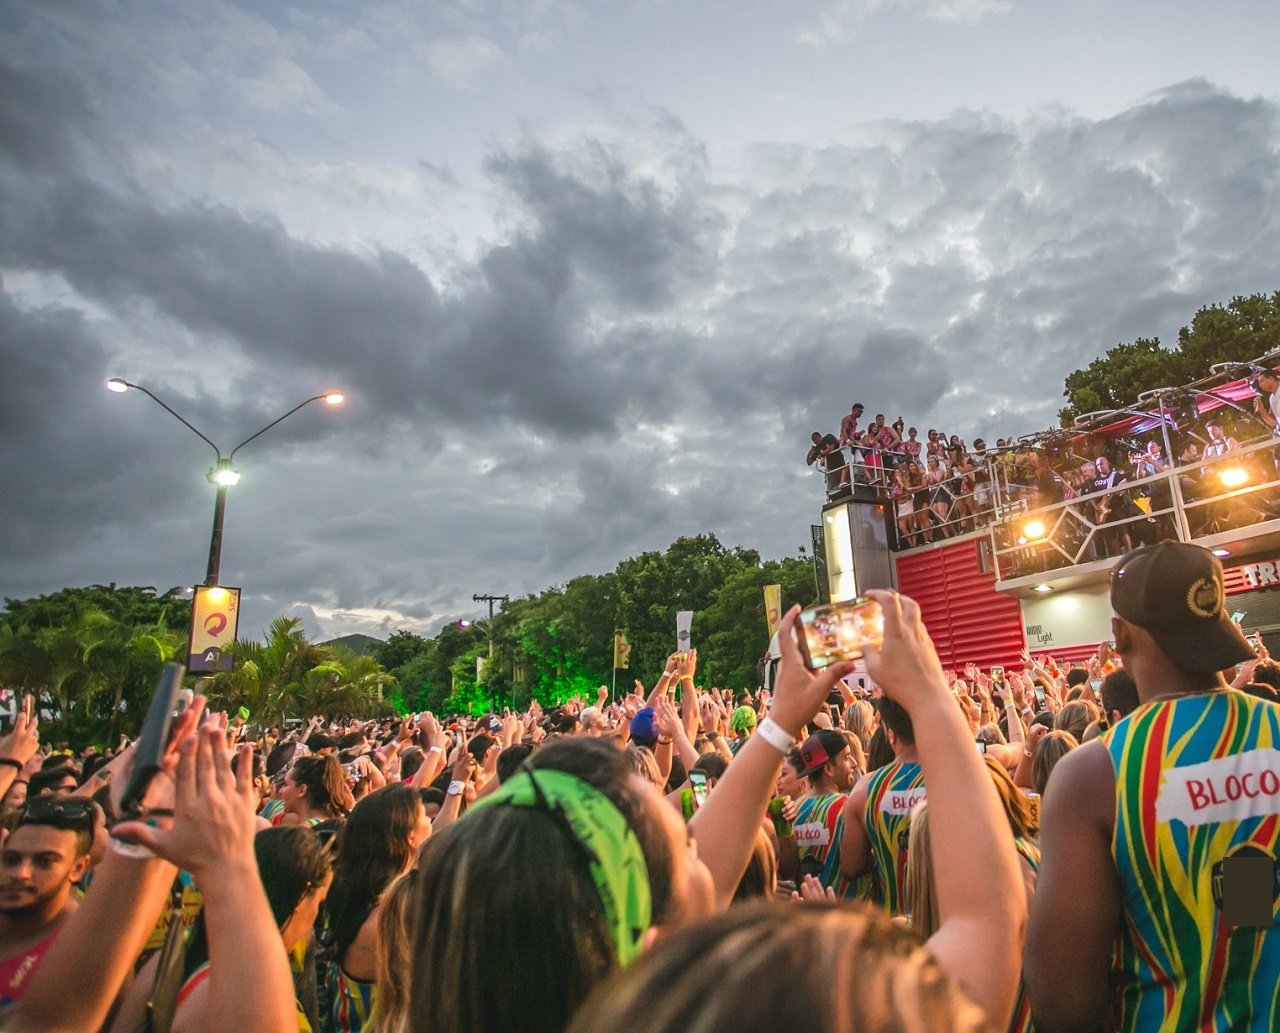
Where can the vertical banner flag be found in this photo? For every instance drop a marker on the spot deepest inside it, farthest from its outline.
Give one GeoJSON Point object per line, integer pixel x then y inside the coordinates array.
{"type": "Point", "coordinates": [215, 616]}
{"type": "Point", "coordinates": [772, 608]}
{"type": "Point", "coordinates": [684, 623]}
{"type": "Point", "coordinates": [621, 650]}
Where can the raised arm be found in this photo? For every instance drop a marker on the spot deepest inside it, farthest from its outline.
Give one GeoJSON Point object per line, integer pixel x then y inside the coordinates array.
{"type": "Point", "coordinates": [19, 746]}
{"type": "Point", "coordinates": [971, 843]}
{"type": "Point", "coordinates": [725, 826]}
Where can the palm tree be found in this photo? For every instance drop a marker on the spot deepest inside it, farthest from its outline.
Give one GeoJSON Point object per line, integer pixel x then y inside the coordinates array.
{"type": "Point", "coordinates": [290, 676]}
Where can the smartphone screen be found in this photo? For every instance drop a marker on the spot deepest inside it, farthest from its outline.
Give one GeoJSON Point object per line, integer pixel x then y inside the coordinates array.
{"type": "Point", "coordinates": [698, 783]}
{"type": "Point", "coordinates": [982, 746]}
{"type": "Point", "coordinates": [838, 631]}
{"type": "Point", "coordinates": [997, 675]}
{"type": "Point", "coordinates": [1039, 696]}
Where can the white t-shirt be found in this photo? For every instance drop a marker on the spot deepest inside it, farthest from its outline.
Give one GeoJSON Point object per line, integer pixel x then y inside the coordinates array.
{"type": "Point", "coordinates": [1273, 403]}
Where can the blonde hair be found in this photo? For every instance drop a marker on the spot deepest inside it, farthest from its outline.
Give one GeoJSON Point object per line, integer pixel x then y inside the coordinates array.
{"type": "Point", "coordinates": [1017, 809]}
{"type": "Point", "coordinates": [859, 718]}
{"type": "Point", "coordinates": [845, 968]}
{"type": "Point", "coordinates": [921, 900]}
{"type": "Point", "coordinates": [1075, 717]}
{"type": "Point", "coordinates": [393, 967]}
{"type": "Point", "coordinates": [1051, 749]}
{"type": "Point", "coordinates": [855, 748]}
{"type": "Point", "coordinates": [645, 764]}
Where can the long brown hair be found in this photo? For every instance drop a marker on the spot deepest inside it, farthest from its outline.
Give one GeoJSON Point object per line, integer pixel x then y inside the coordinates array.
{"type": "Point", "coordinates": [326, 785]}
{"type": "Point", "coordinates": [394, 963]}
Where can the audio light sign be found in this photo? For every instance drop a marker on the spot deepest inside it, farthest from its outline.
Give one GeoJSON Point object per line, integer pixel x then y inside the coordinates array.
{"type": "Point", "coordinates": [215, 616]}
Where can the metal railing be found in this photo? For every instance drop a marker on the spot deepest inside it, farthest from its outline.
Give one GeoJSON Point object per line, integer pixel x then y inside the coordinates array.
{"type": "Point", "coordinates": [999, 499]}
{"type": "Point", "coordinates": [1198, 500]}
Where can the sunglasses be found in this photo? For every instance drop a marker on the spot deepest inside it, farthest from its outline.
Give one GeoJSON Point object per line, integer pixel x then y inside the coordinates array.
{"type": "Point", "coordinates": [46, 809]}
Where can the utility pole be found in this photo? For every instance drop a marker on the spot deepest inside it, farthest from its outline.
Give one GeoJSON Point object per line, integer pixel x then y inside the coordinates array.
{"type": "Point", "coordinates": [491, 599]}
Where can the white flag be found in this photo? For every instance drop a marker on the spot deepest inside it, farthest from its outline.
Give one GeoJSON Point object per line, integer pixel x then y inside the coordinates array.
{"type": "Point", "coordinates": [684, 621]}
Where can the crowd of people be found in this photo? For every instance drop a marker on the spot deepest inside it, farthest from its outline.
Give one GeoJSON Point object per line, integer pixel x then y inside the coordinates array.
{"type": "Point", "coordinates": [1061, 848]}
{"type": "Point", "coordinates": [939, 487]}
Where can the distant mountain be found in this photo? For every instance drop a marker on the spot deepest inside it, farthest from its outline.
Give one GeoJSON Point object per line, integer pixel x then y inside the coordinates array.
{"type": "Point", "coordinates": [361, 644]}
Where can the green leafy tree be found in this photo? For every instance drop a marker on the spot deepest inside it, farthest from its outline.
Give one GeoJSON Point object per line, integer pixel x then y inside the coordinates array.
{"type": "Point", "coordinates": [733, 634]}
{"type": "Point", "coordinates": [1243, 329]}
{"type": "Point", "coordinates": [290, 676]}
{"type": "Point", "coordinates": [130, 605]}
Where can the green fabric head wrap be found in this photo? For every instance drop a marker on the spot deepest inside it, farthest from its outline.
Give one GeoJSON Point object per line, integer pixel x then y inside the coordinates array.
{"type": "Point", "coordinates": [616, 861]}
{"type": "Point", "coordinates": [742, 719]}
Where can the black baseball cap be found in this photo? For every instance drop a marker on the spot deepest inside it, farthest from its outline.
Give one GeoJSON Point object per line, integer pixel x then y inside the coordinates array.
{"type": "Point", "coordinates": [1174, 592]}
{"type": "Point", "coordinates": [819, 748]}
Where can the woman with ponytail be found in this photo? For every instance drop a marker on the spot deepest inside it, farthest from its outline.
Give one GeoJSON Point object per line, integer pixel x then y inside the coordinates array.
{"type": "Point", "coordinates": [315, 791]}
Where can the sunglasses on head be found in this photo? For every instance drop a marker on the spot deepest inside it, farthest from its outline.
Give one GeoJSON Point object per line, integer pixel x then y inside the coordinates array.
{"type": "Point", "coordinates": [48, 809]}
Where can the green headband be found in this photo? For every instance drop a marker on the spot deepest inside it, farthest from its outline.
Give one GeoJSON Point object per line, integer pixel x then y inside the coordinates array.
{"type": "Point", "coordinates": [616, 861]}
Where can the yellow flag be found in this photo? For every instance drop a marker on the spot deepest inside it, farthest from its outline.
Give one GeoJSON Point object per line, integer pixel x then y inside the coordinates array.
{"type": "Point", "coordinates": [772, 608]}
{"type": "Point", "coordinates": [621, 651]}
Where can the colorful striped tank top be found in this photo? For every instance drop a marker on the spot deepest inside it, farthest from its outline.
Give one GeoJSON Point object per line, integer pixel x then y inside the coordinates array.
{"type": "Point", "coordinates": [351, 1001]}
{"type": "Point", "coordinates": [817, 830]}
{"type": "Point", "coordinates": [1197, 784]}
{"type": "Point", "coordinates": [893, 790]}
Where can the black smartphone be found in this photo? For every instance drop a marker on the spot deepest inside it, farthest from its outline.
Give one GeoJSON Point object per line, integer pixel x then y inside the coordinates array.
{"type": "Point", "coordinates": [982, 746]}
{"type": "Point", "coordinates": [153, 739]}
{"type": "Point", "coordinates": [1039, 692]}
{"type": "Point", "coordinates": [698, 783]}
{"type": "Point", "coordinates": [838, 631]}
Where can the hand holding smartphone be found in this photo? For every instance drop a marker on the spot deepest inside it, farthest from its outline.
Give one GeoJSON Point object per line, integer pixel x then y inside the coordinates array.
{"type": "Point", "coordinates": [838, 631]}
{"type": "Point", "coordinates": [154, 738]}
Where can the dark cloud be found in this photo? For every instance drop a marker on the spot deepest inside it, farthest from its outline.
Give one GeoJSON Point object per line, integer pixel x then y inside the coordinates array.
{"type": "Point", "coordinates": [639, 352]}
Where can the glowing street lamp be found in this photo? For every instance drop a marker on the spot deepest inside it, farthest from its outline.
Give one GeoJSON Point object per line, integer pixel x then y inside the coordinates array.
{"type": "Point", "coordinates": [223, 475]}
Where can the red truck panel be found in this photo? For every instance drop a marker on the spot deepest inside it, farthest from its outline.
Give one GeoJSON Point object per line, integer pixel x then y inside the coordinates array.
{"type": "Point", "coordinates": [968, 620]}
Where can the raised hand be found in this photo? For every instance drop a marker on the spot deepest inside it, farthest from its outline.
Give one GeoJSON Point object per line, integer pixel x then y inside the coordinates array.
{"type": "Point", "coordinates": [799, 693]}
{"type": "Point", "coordinates": [905, 666]}
{"type": "Point", "coordinates": [213, 811]}
{"type": "Point", "coordinates": [23, 741]}
{"type": "Point", "coordinates": [813, 892]}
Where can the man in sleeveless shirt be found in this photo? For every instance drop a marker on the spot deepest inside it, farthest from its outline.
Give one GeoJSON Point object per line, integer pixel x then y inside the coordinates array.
{"type": "Point", "coordinates": [43, 859]}
{"type": "Point", "coordinates": [1156, 903]}
{"type": "Point", "coordinates": [829, 770]}
{"type": "Point", "coordinates": [877, 817]}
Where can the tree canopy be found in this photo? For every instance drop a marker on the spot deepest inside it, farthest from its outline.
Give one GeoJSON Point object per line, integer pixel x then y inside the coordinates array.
{"type": "Point", "coordinates": [1243, 329]}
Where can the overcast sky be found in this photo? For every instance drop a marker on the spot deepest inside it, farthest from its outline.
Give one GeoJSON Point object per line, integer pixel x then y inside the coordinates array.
{"type": "Point", "coordinates": [588, 273]}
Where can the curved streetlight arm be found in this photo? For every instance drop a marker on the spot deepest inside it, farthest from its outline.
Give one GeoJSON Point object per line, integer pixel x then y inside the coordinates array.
{"type": "Point", "coordinates": [259, 434]}
{"type": "Point", "coordinates": [138, 387]}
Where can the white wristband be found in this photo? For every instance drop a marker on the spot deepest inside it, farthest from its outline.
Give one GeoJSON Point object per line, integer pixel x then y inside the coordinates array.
{"type": "Point", "coordinates": [771, 732]}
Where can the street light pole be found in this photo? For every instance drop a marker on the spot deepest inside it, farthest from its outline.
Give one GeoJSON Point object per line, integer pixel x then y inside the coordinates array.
{"type": "Point", "coordinates": [223, 474]}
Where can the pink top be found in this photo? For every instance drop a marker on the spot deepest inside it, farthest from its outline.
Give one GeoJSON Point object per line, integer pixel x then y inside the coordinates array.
{"type": "Point", "coordinates": [16, 971]}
